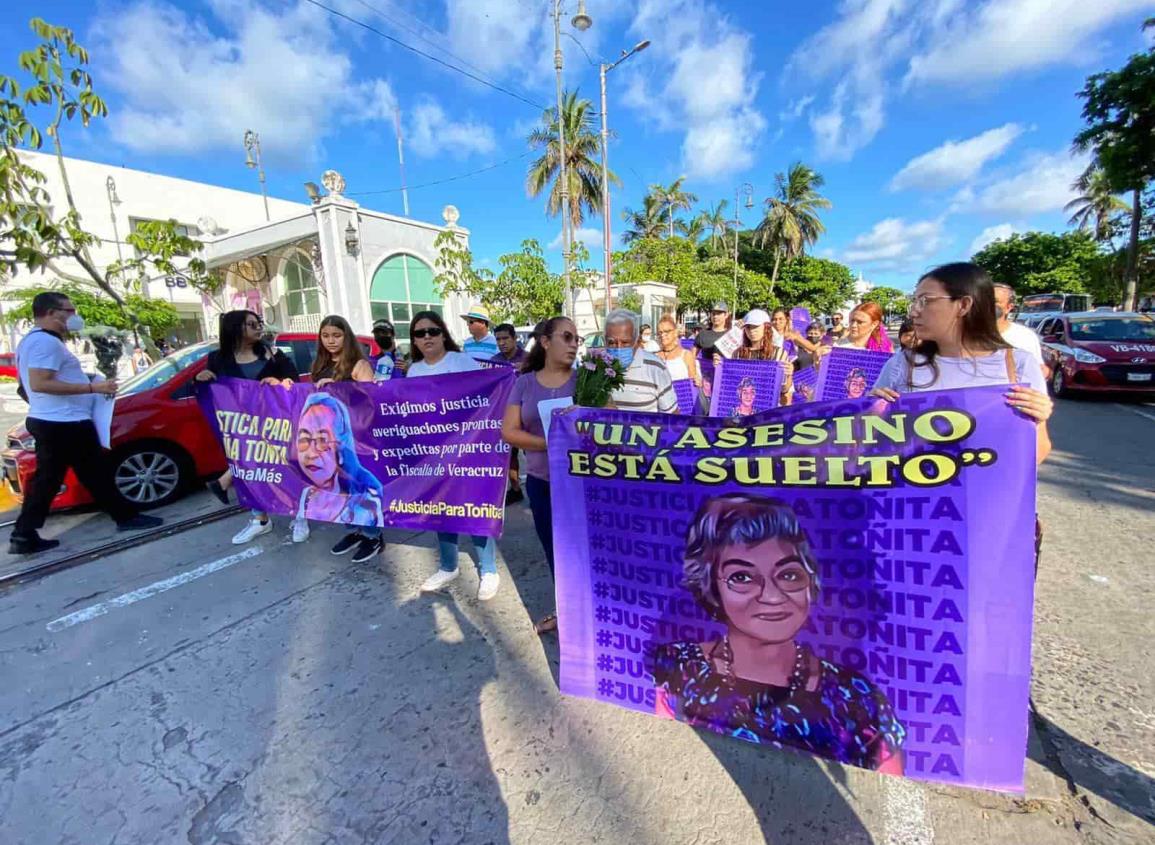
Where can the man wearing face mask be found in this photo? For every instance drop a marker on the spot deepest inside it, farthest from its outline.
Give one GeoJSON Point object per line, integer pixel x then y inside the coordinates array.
{"type": "Point", "coordinates": [648, 386]}
{"type": "Point", "coordinates": [60, 409]}
{"type": "Point", "coordinates": [390, 364]}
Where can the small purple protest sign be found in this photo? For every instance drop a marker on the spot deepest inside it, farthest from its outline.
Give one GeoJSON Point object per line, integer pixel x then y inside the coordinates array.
{"type": "Point", "coordinates": [800, 319]}
{"type": "Point", "coordinates": [423, 453]}
{"type": "Point", "coordinates": [686, 342]}
{"type": "Point", "coordinates": [687, 396]}
{"type": "Point", "coordinates": [848, 373]}
{"type": "Point", "coordinates": [742, 387]}
{"type": "Point", "coordinates": [851, 580]}
{"type": "Point", "coordinates": [805, 384]}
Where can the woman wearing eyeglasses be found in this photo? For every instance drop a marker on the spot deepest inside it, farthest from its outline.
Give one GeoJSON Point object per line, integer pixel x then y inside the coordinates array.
{"type": "Point", "coordinates": [434, 353]}
{"type": "Point", "coordinates": [548, 373]}
{"type": "Point", "coordinates": [242, 355]}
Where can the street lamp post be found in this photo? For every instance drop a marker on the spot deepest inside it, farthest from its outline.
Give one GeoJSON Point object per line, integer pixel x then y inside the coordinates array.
{"type": "Point", "coordinates": [113, 202]}
{"type": "Point", "coordinates": [606, 167]}
{"type": "Point", "coordinates": [747, 189]}
{"type": "Point", "coordinates": [253, 159]}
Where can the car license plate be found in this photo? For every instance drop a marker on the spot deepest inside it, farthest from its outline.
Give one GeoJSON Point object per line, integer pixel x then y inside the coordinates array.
{"type": "Point", "coordinates": [1138, 376]}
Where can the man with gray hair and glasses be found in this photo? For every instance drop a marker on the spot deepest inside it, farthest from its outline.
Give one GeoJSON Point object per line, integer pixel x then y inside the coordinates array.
{"type": "Point", "coordinates": [1016, 334]}
{"type": "Point", "coordinates": [648, 386]}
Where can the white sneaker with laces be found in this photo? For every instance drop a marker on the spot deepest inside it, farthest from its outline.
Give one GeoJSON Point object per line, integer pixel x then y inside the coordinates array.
{"type": "Point", "coordinates": [438, 580]}
{"type": "Point", "coordinates": [300, 530]}
{"type": "Point", "coordinates": [252, 531]}
{"type": "Point", "coordinates": [488, 588]}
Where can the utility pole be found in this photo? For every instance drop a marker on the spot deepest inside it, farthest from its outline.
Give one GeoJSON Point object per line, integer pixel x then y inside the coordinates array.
{"type": "Point", "coordinates": [401, 160]}
{"type": "Point", "coordinates": [253, 159]}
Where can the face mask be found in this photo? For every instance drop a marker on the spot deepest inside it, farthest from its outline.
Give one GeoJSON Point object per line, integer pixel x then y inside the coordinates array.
{"type": "Point", "coordinates": [625, 355]}
{"type": "Point", "coordinates": [384, 342]}
{"type": "Point", "coordinates": [74, 323]}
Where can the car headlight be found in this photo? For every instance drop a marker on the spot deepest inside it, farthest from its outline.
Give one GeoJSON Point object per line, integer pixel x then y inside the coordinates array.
{"type": "Point", "coordinates": [1085, 357]}
{"type": "Point", "coordinates": [27, 443]}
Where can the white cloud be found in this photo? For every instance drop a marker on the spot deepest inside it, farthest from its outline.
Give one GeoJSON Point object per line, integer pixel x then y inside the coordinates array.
{"type": "Point", "coordinates": [865, 52]}
{"type": "Point", "coordinates": [592, 238]}
{"type": "Point", "coordinates": [1042, 184]}
{"type": "Point", "coordinates": [991, 234]}
{"type": "Point", "coordinates": [432, 131]}
{"type": "Point", "coordinates": [955, 162]}
{"type": "Point", "coordinates": [895, 244]}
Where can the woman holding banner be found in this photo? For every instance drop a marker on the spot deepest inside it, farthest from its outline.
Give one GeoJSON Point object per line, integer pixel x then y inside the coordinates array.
{"type": "Point", "coordinates": [243, 355]}
{"type": "Point", "coordinates": [758, 345]}
{"type": "Point", "coordinates": [547, 375]}
{"type": "Point", "coordinates": [749, 565]}
{"type": "Point", "coordinates": [867, 329]}
{"type": "Point", "coordinates": [339, 357]}
{"type": "Point", "coordinates": [434, 352]}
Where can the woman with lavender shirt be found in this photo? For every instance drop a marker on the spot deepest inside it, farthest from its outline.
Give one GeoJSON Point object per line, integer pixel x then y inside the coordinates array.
{"type": "Point", "coordinates": [548, 373]}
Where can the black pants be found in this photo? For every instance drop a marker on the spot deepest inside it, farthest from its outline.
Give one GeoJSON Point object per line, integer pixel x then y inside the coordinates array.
{"type": "Point", "coordinates": [542, 509]}
{"type": "Point", "coordinates": [60, 445]}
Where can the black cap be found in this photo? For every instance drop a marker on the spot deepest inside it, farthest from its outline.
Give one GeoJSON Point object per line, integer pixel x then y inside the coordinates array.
{"type": "Point", "coordinates": [384, 324]}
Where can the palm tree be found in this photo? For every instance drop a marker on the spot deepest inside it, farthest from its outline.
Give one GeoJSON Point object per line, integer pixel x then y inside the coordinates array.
{"type": "Point", "coordinates": [714, 219]}
{"type": "Point", "coordinates": [583, 166]}
{"type": "Point", "coordinates": [693, 229]}
{"type": "Point", "coordinates": [1096, 204]}
{"type": "Point", "coordinates": [646, 223]}
{"type": "Point", "coordinates": [673, 199]}
{"type": "Point", "coordinates": [791, 223]}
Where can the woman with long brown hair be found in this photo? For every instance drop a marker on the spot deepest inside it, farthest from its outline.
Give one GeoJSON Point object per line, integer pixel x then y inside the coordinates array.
{"type": "Point", "coordinates": [758, 345]}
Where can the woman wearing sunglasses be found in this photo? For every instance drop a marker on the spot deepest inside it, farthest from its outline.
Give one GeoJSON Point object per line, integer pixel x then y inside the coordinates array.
{"type": "Point", "coordinates": [435, 353]}
{"type": "Point", "coordinates": [243, 355]}
{"type": "Point", "coordinates": [548, 373]}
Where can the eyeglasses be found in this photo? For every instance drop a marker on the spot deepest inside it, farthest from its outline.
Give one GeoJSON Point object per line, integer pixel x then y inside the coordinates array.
{"type": "Point", "coordinates": [790, 578]}
{"type": "Point", "coordinates": [477, 322]}
{"type": "Point", "coordinates": [432, 332]}
{"type": "Point", "coordinates": [919, 302]}
{"type": "Point", "coordinates": [318, 443]}
{"type": "Point", "coordinates": [569, 337]}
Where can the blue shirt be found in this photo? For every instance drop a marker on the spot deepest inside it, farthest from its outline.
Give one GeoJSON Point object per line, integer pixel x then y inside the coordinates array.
{"type": "Point", "coordinates": [481, 350]}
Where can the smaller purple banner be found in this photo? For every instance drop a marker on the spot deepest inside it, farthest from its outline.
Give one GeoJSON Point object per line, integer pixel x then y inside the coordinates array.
{"type": "Point", "coordinates": [848, 373]}
{"type": "Point", "coordinates": [800, 319]}
{"type": "Point", "coordinates": [687, 396]}
{"type": "Point", "coordinates": [742, 388]}
{"type": "Point", "coordinates": [687, 342]}
{"type": "Point", "coordinates": [805, 384]}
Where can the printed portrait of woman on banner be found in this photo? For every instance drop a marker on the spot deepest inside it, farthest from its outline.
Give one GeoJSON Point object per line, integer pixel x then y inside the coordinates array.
{"type": "Point", "coordinates": [856, 383]}
{"type": "Point", "coordinates": [749, 565]}
{"type": "Point", "coordinates": [747, 394]}
{"type": "Point", "coordinates": [340, 488]}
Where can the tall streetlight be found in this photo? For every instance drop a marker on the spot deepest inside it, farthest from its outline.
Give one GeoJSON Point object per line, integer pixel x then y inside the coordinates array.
{"type": "Point", "coordinates": [641, 45]}
{"type": "Point", "coordinates": [747, 189]}
{"type": "Point", "coordinates": [113, 202]}
{"type": "Point", "coordinates": [253, 159]}
{"type": "Point", "coordinates": [581, 22]}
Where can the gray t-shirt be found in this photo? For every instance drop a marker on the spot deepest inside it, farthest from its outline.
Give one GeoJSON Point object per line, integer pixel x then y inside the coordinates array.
{"type": "Point", "coordinates": [527, 392]}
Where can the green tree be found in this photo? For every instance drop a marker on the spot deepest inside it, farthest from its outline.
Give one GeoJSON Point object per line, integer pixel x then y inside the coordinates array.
{"type": "Point", "coordinates": [890, 300]}
{"type": "Point", "coordinates": [693, 229]}
{"type": "Point", "coordinates": [643, 223]}
{"type": "Point", "coordinates": [671, 199]}
{"type": "Point", "coordinates": [716, 281]}
{"type": "Point", "coordinates": [1119, 110]}
{"type": "Point", "coordinates": [1040, 262]}
{"type": "Point", "coordinates": [583, 164]}
{"type": "Point", "coordinates": [38, 230]}
{"type": "Point", "coordinates": [631, 300]}
{"type": "Point", "coordinates": [155, 315]}
{"type": "Point", "coordinates": [455, 270]}
{"type": "Point", "coordinates": [791, 223]}
{"type": "Point", "coordinates": [673, 261]}
{"type": "Point", "coordinates": [525, 290]}
{"type": "Point", "coordinates": [1097, 206]}
{"type": "Point", "coordinates": [715, 220]}
{"type": "Point", "coordinates": [820, 284]}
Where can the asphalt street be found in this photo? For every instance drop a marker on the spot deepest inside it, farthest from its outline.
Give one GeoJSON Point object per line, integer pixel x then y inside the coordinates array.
{"type": "Point", "coordinates": [190, 691]}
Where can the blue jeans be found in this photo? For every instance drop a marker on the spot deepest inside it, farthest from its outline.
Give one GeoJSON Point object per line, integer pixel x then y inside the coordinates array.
{"type": "Point", "coordinates": [542, 509]}
{"type": "Point", "coordinates": [486, 552]}
{"type": "Point", "coordinates": [370, 531]}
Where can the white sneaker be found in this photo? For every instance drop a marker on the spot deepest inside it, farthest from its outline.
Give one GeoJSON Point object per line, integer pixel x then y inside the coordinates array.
{"type": "Point", "coordinates": [252, 531]}
{"type": "Point", "coordinates": [488, 588]}
{"type": "Point", "coordinates": [438, 580]}
{"type": "Point", "coordinates": [300, 530]}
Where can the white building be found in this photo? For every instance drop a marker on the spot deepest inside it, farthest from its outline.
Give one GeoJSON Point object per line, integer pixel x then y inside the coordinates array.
{"type": "Point", "coordinates": [310, 259]}
{"type": "Point", "coordinates": [658, 299]}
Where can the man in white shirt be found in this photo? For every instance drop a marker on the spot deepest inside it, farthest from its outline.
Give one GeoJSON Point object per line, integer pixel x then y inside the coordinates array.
{"type": "Point", "coordinates": [1016, 334]}
{"type": "Point", "coordinates": [60, 408]}
{"type": "Point", "coordinates": [481, 345]}
{"type": "Point", "coordinates": [648, 386]}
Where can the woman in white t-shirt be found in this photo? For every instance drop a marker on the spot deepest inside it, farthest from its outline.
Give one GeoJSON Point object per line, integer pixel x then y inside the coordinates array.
{"type": "Point", "coordinates": [434, 353]}
{"type": "Point", "coordinates": [959, 345]}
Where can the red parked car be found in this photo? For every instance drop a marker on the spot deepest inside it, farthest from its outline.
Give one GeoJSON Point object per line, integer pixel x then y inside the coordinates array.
{"type": "Point", "coordinates": [161, 442]}
{"type": "Point", "coordinates": [8, 364]}
{"type": "Point", "coordinates": [1100, 351]}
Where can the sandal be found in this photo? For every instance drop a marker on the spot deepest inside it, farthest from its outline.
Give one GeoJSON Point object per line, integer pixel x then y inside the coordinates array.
{"type": "Point", "coordinates": [546, 624]}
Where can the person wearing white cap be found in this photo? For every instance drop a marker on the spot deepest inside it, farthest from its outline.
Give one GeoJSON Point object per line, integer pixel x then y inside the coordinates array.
{"type": "Point", "coordinates": [758, 345]}
{"type": "Point", "coordinates": [481, 345]}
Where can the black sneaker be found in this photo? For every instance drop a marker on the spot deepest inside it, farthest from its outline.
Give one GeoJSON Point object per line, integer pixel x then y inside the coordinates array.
{"type": "Point", "coordinates": [140, 522]}
{"type": "Point", "coordinates": [347, 543]}
{"type": "Point", "coordinates": [367, 549]}
{"type": "Point", "coordinates": [513, 497]}
{"type": "Point", "coordinates": [220, 492]}
{"type": "Point", "coordinates": [30, 545]}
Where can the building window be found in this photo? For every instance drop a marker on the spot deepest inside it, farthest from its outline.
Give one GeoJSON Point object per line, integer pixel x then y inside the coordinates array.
{"type": "Point", "coordinates": [302, 292]}
{"type": "Point", "coordinates": [402, 286]}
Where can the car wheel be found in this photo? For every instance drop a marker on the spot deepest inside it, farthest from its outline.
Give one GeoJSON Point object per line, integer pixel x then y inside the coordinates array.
{"type": "Point", "coordinates": [1058, 380]}
{"type": "Point", "coordinates": [150, 475]}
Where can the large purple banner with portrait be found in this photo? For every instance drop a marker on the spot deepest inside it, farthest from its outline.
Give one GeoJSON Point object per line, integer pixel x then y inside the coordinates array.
{"type": "Point", "coordinates": [847, 373]}
{"type": "Point", "coordinates": [851, 580]}
{"type": "Point", "coordinates": [743, 387]}
{"type": "Point", "coordinates": [421, 453]}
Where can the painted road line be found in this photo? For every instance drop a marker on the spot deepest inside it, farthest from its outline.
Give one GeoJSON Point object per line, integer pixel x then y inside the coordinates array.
{"type": "Point", "coordinates": [906, 818]}
{"type": "Point", "coordinates": [151, 590]}
{"type": "Point", "coordinates": [1134, 410]}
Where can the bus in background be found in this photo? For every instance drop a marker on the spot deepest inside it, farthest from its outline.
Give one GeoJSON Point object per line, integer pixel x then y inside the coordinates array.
{"type": "Point", "coordinates": [1055, 302]}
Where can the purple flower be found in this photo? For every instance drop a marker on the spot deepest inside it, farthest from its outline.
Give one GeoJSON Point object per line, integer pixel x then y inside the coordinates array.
{"type": "Point", "coordinates": [591, 366]}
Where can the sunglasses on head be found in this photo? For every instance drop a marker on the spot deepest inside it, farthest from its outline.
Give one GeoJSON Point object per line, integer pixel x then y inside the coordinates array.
{"type": "Point", "coordinates": [433, 332]}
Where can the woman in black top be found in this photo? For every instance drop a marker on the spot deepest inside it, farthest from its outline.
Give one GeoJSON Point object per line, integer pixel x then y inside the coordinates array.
{"type": "Point", "coordinates": [243, 355]}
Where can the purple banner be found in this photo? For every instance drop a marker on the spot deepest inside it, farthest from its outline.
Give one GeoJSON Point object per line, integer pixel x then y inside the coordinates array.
{"type": "Point", "coordinates": [687, 396]}
{"type": "Point", "coordinates": [847, 373]}
{"type": "Point", "coordinates": [422, 453]}
{"type": "Point", "coordinates": [800, 319]}
{"type": "Point", "coordinates": [745, 387]}
{"type": "Point", "coordinates": [805, 385]}
{"type": "Point", "coordinates": [851, 580]}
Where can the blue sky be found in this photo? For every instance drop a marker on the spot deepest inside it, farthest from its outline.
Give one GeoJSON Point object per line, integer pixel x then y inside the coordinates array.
{"type": "Point", "coordinates": [937, 123]}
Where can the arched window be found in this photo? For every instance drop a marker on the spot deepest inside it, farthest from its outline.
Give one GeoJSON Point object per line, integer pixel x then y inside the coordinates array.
{"type": "Point", "coordinates": [302, 293]}
{"type": "Point", "coordinates": [402, 286]}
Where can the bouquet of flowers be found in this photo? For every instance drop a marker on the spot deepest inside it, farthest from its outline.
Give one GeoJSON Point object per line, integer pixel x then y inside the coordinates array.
{"type": "Point", "coordinates": [599, 375]}
{"type": "Point", "coordinates": [108, 344]}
